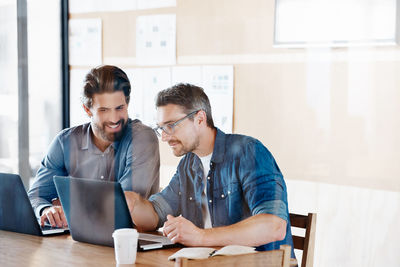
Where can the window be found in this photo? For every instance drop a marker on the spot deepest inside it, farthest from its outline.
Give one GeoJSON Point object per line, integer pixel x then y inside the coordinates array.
{"type": "Point", "coordinates": [8, 87]}
{"type": "Point", "coordinates": [44, 61]}
{"type": "Point", "coordinates": [30, 83]}
{"type": "Point", "coordinates": [302, 23]}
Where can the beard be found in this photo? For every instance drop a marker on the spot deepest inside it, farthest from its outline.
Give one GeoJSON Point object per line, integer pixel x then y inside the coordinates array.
{"type": "Point", "coordinates": [111, 137]}
{"type": "Point", "coordinates": [179, 149]}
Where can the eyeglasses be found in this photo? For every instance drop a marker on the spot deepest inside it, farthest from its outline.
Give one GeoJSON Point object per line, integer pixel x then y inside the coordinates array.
{"type": "Point", "coordinates": [170, 128]}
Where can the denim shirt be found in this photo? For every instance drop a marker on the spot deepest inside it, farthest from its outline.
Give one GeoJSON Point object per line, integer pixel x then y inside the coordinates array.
{"type": "Point", "coordinates": [133, 161]}
{"type": "Point", "coordinates": [243, 180]}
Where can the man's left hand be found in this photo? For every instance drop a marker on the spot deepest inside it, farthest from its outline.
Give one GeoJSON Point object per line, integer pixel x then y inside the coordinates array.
{"type": "Point", "coordinates": [181, 230]}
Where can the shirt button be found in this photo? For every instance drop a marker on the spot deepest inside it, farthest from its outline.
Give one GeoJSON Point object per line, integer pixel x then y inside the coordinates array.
{"type": "Point", "coordinates": [190, 198]}
{"type": "Point", "coordinates": [102, 177]}
{"type": "Point", "coordinates": [210, 201]}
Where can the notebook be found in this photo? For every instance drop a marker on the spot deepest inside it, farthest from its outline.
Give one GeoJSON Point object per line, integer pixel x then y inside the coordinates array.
{"type": "Point", "coordinates": [95, 208]}
{"type": "Point", "coordinates": [16, 213]}
{"type": "Point", "coordinates": [197, 253]}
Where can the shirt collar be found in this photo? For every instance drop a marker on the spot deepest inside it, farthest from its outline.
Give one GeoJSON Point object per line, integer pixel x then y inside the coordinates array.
{"type": "Point", "coordinates": [87, 140]}
{"type": "Point", "coordinates": [219, 147]}
{"type": "Point", "coordinates": [86, 137]}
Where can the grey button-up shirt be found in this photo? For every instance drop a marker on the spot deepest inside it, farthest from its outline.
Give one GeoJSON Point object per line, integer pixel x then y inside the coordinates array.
{"type": "Point", "coordinates": [133, 161]}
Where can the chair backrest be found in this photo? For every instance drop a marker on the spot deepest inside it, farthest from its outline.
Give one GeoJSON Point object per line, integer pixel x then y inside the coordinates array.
{"type": "Point", "coordinates": [306, 243]}
{"type": "Point", "coordinates": [272, 258]}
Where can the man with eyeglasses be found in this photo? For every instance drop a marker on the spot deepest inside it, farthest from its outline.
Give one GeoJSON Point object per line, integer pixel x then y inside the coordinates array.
{"type": "Point", "coordinates": [227, 189]}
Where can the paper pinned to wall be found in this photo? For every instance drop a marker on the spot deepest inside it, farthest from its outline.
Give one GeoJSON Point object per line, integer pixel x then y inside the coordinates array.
{"type": "Point", "coordinates": [136, 104]}
{"type": "Point", "coordinates": [116, 5]}
{"type": "Point", "coordinates": [156, 40]}
{"type": "Point", "coordinates": [218, 85]}
{"type": "Point", "coordinates": [145, 84]}
{"type": "Point", "coordinates": [79, 6]}
{"type": "Point", "coordinates": [85, 42]}
{"type": "Point", "coordinates": [87, 6]}
{"type": "Point", "coordinates": [146, 4]}
{"type": "Point", "coordinates": [187, 74]}
{"type": "Point", "coordinates": [77, 114]}
{"type": "Point", "coordinates": [154, 80]}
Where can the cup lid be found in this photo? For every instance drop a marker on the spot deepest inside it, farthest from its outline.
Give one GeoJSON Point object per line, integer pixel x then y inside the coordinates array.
{"type": "Point", "coordinates": [125, 232]}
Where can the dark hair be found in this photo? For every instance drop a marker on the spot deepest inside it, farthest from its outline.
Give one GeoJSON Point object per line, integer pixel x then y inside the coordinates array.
{"type": "Point", "coordinates": [189, 97]}
{"type": "Point", "coordinates": [105, 79]}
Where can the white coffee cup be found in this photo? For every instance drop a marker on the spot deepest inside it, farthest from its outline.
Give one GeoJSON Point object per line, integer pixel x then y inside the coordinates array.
{"type": "Point", "coordinates": [125, 244]}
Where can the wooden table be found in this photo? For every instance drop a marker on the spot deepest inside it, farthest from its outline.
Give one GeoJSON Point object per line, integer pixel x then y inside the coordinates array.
{"type": "Point", "coordinates": [28, 250]}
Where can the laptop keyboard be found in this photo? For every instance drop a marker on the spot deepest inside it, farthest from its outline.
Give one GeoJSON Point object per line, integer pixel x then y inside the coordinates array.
{"type": "Point", "coordinates": [154, 238]}
{"type": "Point", "coordinates": [48, 226]}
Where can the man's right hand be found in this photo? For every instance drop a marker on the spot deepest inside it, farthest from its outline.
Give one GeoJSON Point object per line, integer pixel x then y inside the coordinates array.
{"type": "Point", "coordinates": [131, 198]}
{"type": "Point", "coordinates": [142, 212]}
{"type": "Point", "coordinates": [55, 216]}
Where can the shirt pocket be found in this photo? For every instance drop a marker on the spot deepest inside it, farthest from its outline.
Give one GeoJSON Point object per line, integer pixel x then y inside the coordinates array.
{"type": "Point", "coordinates": [190, 207]}
{"type": "Point", "coordinates": [228, 204]}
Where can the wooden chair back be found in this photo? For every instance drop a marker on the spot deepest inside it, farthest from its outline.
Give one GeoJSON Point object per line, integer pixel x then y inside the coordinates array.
{"type": "Point", "coordinates": [305, 243]}
{"type": "Point", "coordinates": [272, 258]}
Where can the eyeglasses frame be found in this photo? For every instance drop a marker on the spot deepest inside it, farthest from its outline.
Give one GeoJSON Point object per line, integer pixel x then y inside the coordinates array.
{"type": "Point", "coordinates": [173, 125]}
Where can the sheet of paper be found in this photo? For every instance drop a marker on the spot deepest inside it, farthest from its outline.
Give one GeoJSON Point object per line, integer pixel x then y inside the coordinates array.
{"type": "Point", "coordinates": [85, 42]}
{"type": "Point", "coordinates": [136, 104]}
{"type": "Point", "coordinates": [218, 85]}
{"type": "Point", "coordinates": [77, 114]}
{"type": "Point", "coordinates": [146, 83]}
{"type": "Point", "coordinates": [79, 6]}
{"type": "Point", "coordinates": [154, 80]}
{"type": "Point", "coordinates": [187, 74]}
{"type": "Point", "coordinates": [117, 5]}
{"type": "Point", "coordinates": [145, 4]}
{"type": "Point", "coordinates": [235, 250]}
{"type": "Point", "coordinates": [156, 40]}
{"type": "Point", "coordinates": [86, 6]}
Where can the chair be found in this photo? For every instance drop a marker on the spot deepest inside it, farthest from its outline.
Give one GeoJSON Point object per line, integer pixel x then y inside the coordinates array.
{"type": "Point", "coordinates": [306, 243]}
{"type": "Point", "coordinates": [272, 258]}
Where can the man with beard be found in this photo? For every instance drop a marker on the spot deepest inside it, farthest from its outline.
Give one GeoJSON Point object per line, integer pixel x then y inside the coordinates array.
{"type": "Point", "coordinates": [227, 188]}
{"type": "Point", "coordinates": [111, 147]}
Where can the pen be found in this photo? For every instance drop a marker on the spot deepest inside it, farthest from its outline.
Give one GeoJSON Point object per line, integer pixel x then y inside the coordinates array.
{"type": "Point", "coordinates": [212, 253]}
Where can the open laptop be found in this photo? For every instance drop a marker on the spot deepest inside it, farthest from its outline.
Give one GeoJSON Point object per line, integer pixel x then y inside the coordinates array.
{"type": "Point", "coordinates": [95, 208]}
{"type": "Point", "coordinates": [16, 213]}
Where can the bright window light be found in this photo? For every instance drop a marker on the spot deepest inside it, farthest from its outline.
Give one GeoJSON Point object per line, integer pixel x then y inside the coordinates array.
{"type": "Point", "coordinates": [303, 23]}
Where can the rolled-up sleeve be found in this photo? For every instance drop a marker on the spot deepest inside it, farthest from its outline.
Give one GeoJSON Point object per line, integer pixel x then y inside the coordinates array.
{"type": "Point", "coordinates": [263, 185]}
{"type": "Point", "coordinates": [43, 189]}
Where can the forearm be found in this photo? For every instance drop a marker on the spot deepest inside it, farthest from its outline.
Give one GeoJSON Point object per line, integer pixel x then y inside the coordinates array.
{"type": "Point", "coordinates": [40, 197]}
{"type": "Point", "coordinates": [254, 231]}
{"type": "Point", "coordinates": [142, 212]}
